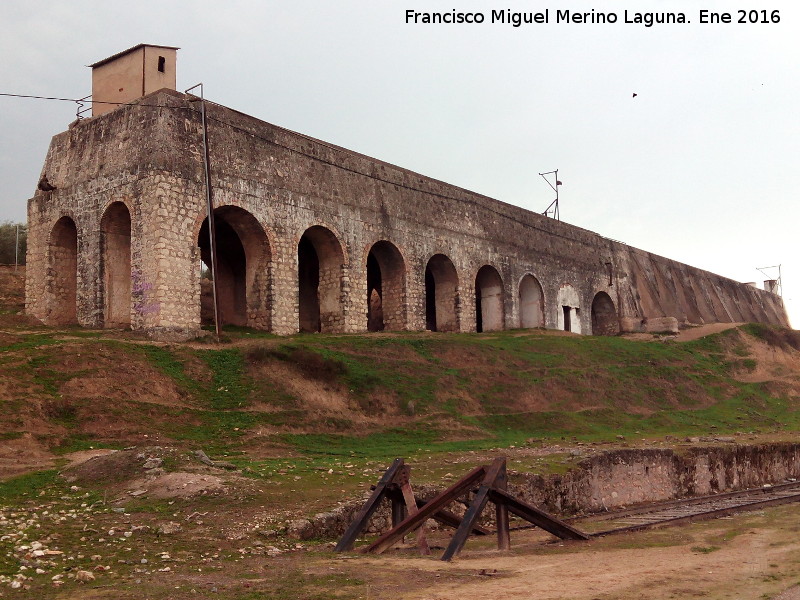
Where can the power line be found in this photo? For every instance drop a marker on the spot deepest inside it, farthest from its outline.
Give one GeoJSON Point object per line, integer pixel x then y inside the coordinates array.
{"type": "Point", "coordinates": [134, 103]}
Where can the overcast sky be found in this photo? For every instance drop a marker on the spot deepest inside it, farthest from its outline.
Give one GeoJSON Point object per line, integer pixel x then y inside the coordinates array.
{"type": "Point", "coordinates": [701, 166]}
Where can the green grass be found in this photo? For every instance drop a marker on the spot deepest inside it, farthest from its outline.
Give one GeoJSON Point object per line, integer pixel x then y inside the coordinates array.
{"type": "Point", "coordinates": [230, 387]}
{"type": "Point", "coordinates": [18, 489]}
{"type": "Point", "coordinates": [477, 383]}
{"type": "Point", "coordinates": [77, 442]}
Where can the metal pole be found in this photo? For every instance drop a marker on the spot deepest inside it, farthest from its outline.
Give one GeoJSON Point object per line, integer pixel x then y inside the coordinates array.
{"type": "Point", "coordinates": [557, 213]}
{"type": "Point", "coordinates": [212, 233]}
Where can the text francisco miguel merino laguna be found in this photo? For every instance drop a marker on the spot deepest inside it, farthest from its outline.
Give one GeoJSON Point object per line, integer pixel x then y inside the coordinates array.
{"type": "Point", "coordinates": [648, 19]}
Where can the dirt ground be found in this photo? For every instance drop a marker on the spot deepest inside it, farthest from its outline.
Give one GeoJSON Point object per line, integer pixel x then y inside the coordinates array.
{"type": "Point", "coordinates": [193, 531]}
{"type": "Point", "coordinates": [744, 557]}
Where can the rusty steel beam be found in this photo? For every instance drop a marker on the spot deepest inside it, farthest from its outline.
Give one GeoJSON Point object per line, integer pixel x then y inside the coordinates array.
{"type": "Point", "coordinates": [360, 520]}
{"type": "Point", "coordinates": [475, 509]}
{"type": "Point", "coordinates": [411, 506]}
{"type": "Point", "coordinates": [538, 517]}
{"type": "Point", "coordinates": [445, 517]}
{"type": "Point", "coordinates": [430, 508]}
{"type": "Point", "coordinates": [501, 512]}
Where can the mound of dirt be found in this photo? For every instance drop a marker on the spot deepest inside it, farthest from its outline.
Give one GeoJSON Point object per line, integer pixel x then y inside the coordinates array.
{"type": "Point", "coordinates": [121, 465]}
{"type": "Point", "coordinates": [143, 473]}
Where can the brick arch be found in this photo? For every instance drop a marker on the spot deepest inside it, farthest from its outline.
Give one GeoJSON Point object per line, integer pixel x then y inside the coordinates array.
{"type": "Point", "coordinates": [441, 294]}
{"type": "Point", "coordinates": [115, 264]}
{"type": "Point", "coordinates": [489, 300]}
{"type": "Point", "coordinates": [244, 254]}
{"type": "Point", "coordinates": [320, 269]}
{"type": "Point", "coordinates": [386, 287]}
{"type": "Point", "coordinates": [531, 302]}
{"type": "Point", "coordinates": [62, 272]}
{"type": "Point", "coordinates": [604, 315]}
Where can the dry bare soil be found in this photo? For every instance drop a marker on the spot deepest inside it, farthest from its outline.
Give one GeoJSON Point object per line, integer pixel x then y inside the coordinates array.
{"type": "Point", "coordinates": [104, 496]}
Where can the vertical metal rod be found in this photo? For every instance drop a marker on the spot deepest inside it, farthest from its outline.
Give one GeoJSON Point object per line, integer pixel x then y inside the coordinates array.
{"type": "Point", "coordinates": [212, 231]}
{"type": "Point", "coordinates": [558, 212]}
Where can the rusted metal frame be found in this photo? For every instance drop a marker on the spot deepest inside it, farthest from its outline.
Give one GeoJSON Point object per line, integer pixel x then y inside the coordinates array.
{"type": "Point", "coordinates": [430, 508]}
{"type": "Point", "coordinates": [475, 509]}
{"type": "Point", "coordinates": [411, 506]}
{"type": "Point", "coordinates": [609, 516]}
{"type": "Point", "coordinates": [360, 520]}
{"type": "Point", "coordinates": [536, 516]}
{"type": "Point", "coordinates": [702, 516]}
{"type": "Point", "coordinates": [398, 506]}
{"type": "Point", "coordinates": [445, 517]}
{"type": "Point", "coordinates": [501, 511]}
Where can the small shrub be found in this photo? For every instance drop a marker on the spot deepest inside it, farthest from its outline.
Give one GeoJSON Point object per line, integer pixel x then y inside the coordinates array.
{"type": "Point", "coordinates": [775, 336]}
{"type": "Point", "coordinates": [311, 364]}
{"type": "Point", "coordinates": [60, 409]}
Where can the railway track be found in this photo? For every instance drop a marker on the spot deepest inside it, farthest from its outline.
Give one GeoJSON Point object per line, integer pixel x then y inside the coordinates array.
{"type": "Point", "coordinates": [677, 512]}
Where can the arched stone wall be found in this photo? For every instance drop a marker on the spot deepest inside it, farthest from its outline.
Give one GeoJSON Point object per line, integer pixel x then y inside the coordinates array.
{"type": "Point", "coordinates": [531, 303]}
{"type": "Point", "coordinates": [441, 294]}
{"type": "Point", "coordinates": [604, 315]}
{"type": "Point", "coordinates": [115, 257]}
{"type": "Point", "coordinates": [62, 273]}
{"type": "Point", "coordinates": [489, 300]}
{"type": "Point", "coordinates": [243, 257]}
{"type": "Point", "coordinates": [320, 280]}
{"type": "Point", "coordinates": [386, 288]}
{"type": "Point", "coordinates": [289, 184]}
{"type": "Point", "coordinates": [568, 305]}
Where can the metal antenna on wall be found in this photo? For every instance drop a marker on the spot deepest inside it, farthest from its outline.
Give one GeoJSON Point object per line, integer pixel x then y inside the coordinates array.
{"type": "Point", "coordinates": [212, 231]}
{"type": "Point", "coordinates": [553, 208]}
{"type": "Point", "coordinates": [778, 286]}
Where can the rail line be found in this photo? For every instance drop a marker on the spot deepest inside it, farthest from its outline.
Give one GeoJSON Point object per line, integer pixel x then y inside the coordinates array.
{"type": "Point", "coordinates": [678, 512]}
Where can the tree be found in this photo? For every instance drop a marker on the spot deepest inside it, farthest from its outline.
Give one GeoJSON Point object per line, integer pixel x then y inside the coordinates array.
{"type": "Point", "coordinates": [8, 242]}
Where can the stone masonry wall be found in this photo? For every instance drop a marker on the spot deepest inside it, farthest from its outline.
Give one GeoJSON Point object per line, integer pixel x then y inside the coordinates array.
{"type": "Point", "coordinates": [149, 157]}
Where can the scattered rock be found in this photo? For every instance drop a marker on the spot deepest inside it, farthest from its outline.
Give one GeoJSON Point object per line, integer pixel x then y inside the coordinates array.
{"type": "Point", "coordinates": [219, 464]}
{"type": "Point", "coordinates": [84, 576]}
{"type": "Point", "coordinates": [170, 528]}
{"type": "Point", "coordinates": [153, 462]}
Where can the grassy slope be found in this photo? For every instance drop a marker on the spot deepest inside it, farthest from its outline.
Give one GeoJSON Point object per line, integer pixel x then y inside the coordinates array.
{"type": "Point", "coordinates": [377, 395]}
{"type": "Point", "coordinates": [382, 395]}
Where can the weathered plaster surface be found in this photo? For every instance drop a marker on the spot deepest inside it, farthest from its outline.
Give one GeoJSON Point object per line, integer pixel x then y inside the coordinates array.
{"type": "Point", "coordinates": [148, 157]}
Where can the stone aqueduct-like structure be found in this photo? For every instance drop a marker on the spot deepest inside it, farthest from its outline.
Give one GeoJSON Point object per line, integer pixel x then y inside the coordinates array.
{"type": "Point", "coordinates": [314, 237]}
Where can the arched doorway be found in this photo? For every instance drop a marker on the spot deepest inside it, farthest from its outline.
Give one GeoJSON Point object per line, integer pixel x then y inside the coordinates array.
{"type": "Point", "coordinates": [569, 309]}
{"type": "Point", "coordinates": [604, 315]}
{"type": "Point", "coordinates": [489, 313]}
{"type": "Point", "coordinates": [115, 244]}
{"type": "Point", "coordinates": [386, 289]}
{"type": "Point", "coordinates": [531, 303]}
{"type": "Point", "coordinates": [243, 256]}
{"type": "Point", "coordinates": [320, 263]}
{"type": "Point", "coordinates": [62, 275]}
{"type": "Point", "coordinates": [441, 294]}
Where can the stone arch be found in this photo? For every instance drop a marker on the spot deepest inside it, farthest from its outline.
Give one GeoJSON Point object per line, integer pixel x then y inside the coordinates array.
{"type": "Point", "coordinates": [489, 310]}
{"type": "Point", "coordinates": [569, 309]}
{"type": "Point", "coordinates": [386, 287]}
{"type": "Point", "coordinates": [62, 272]}
{"type": "Point", "coordinates": [115, 252]}
{"type": "Point", "coordinates": [531, 302]}
{"type": "Point", "coordinates": [320, 270]}
{"type": "Point", "coordinates": [604, 315]}
{"type": "Point", "coordinates": [441, 294]}
{"type": "Point", "coordinates": [243, 258]}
